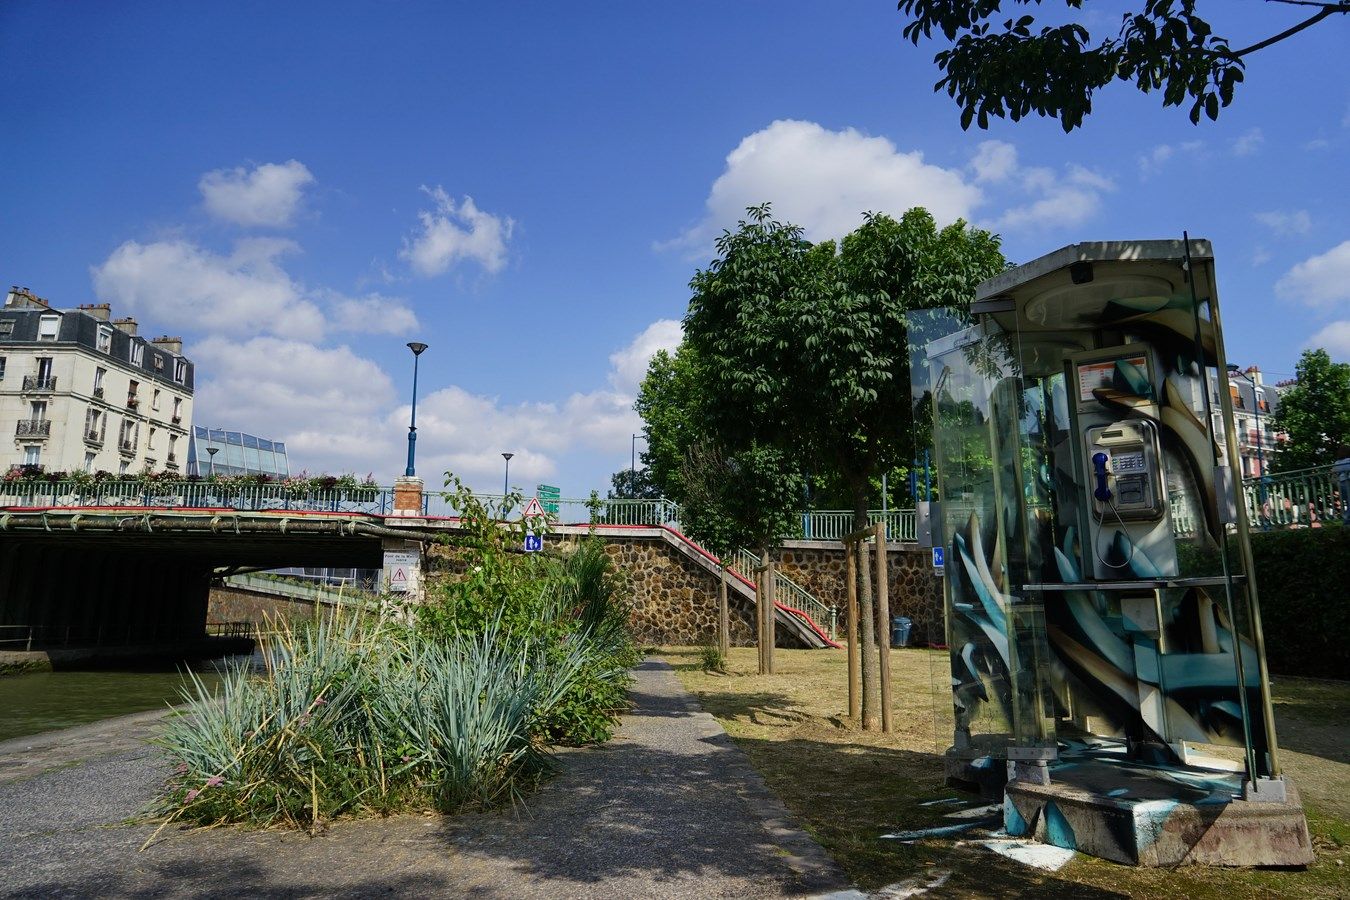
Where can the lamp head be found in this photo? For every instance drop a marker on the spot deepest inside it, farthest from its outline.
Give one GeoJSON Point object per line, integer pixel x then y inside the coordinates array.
{"type": "Point", "coordinates": [416, 347]}
{"type": "Point", "coordinates": [212, 451]}
{"type": "Point", "coordinates": [507, 456]}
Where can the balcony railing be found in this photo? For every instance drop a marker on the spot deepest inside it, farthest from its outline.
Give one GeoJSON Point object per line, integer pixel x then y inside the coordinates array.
{"type": "Point", "coordinates": [133, 402]}
{"type": "Point", "coordinates": [31, 428]}
{"type": "Point", "coordinates": [176, 419]}
{"type": "Point", "coordinates": [126, 446]}
{"type": "Point", "coordinates": [94, 437]}
{"type": "Point", "coordinates": [98, 393]}
{"type": "Point", "coordinates": [39, 383]}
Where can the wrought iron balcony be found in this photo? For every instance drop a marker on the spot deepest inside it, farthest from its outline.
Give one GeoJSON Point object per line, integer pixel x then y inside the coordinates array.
{"type": "Point", "coordinates": [133, 402]}
{"type": "Point", "coordinates": [127, 446]}
{"type": "Point", "coordinates": [93, 437]}
{"type": "Point", "coordinates": [177, 420]}
{"type": "Point", "coordinates": [32, 428]}
{"type": "Point", "coordinates": [39, 383]}
{"type": "Point", "coordinates": [98, 392]}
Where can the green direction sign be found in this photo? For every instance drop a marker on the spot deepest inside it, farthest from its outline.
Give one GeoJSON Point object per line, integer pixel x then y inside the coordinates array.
{"type": "Point", "coordinates": [548, 497]}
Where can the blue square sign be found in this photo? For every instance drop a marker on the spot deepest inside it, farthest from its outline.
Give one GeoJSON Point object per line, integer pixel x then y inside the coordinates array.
{"type": "Point", "coordinates": [939, 557]}
{"type": "Point", "coordinates": [534, 543]}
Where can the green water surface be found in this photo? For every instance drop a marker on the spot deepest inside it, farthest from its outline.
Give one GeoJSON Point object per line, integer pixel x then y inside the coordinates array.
{"type": "Point", "coordinates": [43, 701]}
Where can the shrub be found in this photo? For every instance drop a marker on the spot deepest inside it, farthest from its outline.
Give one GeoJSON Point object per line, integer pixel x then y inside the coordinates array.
{"type": "Point", "coordinates": [1301, 578]}
{"type": "Point", "coordinates": [712, 659]}
{"type": "Point", "coordinates": [364, 718]}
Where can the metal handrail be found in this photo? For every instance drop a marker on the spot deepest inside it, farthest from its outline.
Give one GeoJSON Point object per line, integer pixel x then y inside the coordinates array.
{"type": "Point", "coordinates": [786, 591]}
{"type": "Point", "coordinates": [835, 524]}
{"type": "Point", "coordinates": [36, 383]}
{"type": "Point", "coordinates": [33, 428]}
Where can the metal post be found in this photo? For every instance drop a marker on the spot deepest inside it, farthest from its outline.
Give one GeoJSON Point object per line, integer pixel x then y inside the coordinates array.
{"type": "Point", "coordinates": [632, 468]}
{"type": "Point", "coordinates": [851, 625]}
{"type": "Point", "coordinates": [416, 347]}
{"type": "Point", "coordinates": [506, 481]}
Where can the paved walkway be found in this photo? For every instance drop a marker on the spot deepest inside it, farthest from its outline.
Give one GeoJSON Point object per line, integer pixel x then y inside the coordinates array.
{"type": "Point", "coordinates": [669, 808]}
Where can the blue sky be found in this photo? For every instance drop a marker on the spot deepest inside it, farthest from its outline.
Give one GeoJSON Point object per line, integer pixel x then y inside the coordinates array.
{"type": "Point", "coordinates": [299, 189]}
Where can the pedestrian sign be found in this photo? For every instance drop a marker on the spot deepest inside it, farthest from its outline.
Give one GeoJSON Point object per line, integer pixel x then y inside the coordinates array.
{"type": "Point", "coordinates": [533, 542]}
{"type": "Point", "coordinates": [939, 559]}
{"type": "Point", "coordinates": [533, 510]}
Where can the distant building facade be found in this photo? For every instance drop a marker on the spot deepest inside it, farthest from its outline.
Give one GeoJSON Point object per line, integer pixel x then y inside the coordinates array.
{"type": "Point", "coordinates": [236, 453]}
{"type": "Point", "coordinates": [1254, 407]}
{"type": "Point", "coordinates": [85, 392]}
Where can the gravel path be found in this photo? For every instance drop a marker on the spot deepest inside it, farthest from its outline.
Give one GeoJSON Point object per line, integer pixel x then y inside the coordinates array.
{"type": "Point", "coordinates": [669, 808]}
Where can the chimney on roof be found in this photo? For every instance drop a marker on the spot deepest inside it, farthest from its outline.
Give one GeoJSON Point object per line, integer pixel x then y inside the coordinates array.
{"type": "Point", "coordinates": [127, 325]}
{"type": "Point", "coordinates": [1254, 373]}
{"type": "Point", "coordinates": [100, 311]}
{"type": "Point", "coordinates": [173, 344]}
{"type": "Point", "coordinates": [23, 298]}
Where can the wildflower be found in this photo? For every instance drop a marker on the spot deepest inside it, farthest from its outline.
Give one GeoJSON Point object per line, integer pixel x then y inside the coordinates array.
{"type": "Point", "coordinates": [191, 795]}
{"type": "Point", "coordinates": [214, 781]}
{"type": "Point", "coordinates": [320, 702]}
{"type": "Point", "coordinates": [407, 758]}
{"type": "Point", "coordinates": [180, 769]}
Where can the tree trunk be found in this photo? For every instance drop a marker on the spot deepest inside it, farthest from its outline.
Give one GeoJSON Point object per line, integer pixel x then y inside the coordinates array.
{"type": "Point", "coordinates": [851, 616]}
{"type": "Point", "coordinates": [884, 627]}
{"type": "Point", "coordinates": [723, 615]}
{"type": "Point", "coordinates": [866, 615]}
{"type": "Point", "coordinates": [770, 610]}
{"type": "Point", "coordinates": [761, 631]}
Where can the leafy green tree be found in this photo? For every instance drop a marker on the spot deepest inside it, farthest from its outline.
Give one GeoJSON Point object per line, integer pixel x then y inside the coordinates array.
{"type": "Point", "coordinates": [627, 484]}
{"type": "Point", "coordinates": [669, 402]}
{"type": "Point", "coordinates": [1055, 70]}
{"type": "Point", "coordinates": [1315, 413]}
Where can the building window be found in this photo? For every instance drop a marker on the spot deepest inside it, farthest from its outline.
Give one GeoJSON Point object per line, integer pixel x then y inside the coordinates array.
{"type": "Point", "coordinates": [98, 381]}
{"type": "Point", "coordinates": [154, 399]}
{"type": "Point", "coordinates": [122, 467]}
{"type": "Point", "coordinates": [158, 362]}
{"type": "Point", "coordinates": [137, 353]}
{"type": "Point", "coordinates": [94, 424]}
{"type": "Point", "coordinates": [6, 326]}
{"type": "Point", "coordinates": [173, 449]}
{"type": "Point", "coordinates": [37, 410]}
{"type": "Point", "coordinates": [150, 445]}
{"type": "Point", "coordinates": [180, 370]}
{"type": "Point", "coordinates": [104, 339]}
{"type": "Point", "coordinates": [32, 455]}
{"type": "Point", "coordinates": [89, 460]}
{"type": "Point", "coordinates": [44, 371]}
{"type": "Point", "coordinates": [132, 400]}
{"type": "Point", "coordinates": [48, 326]}
{"type": "Point", "coordinates": [126, 437]}
{"type": "Point", "coordinates": [177, 407]}
{"type": "Point", "coordinates": [2, 368]}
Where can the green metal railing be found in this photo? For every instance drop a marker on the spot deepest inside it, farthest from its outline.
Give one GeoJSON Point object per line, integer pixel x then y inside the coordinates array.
{"type": "Point", "coordinates": [835, 524]}
{"type": "Point", "coordinates": [1302, 498]}
{"type": "Point", "coordinates": [193, 495]}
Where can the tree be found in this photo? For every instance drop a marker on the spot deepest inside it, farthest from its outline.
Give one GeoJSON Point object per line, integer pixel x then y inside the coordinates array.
{"type": "Point", "coordinates": [669, 402]}
{"type": "Point", "coordinates": [1315, 413]}
{"type": "Point", "coordinates": [1056, 70]}
{"type": "Point", "coordinates": [627, 484]}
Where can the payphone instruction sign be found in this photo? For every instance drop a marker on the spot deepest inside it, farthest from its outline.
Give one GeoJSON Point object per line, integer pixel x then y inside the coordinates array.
{"type": "Point", "coordinates": [1092, 376]}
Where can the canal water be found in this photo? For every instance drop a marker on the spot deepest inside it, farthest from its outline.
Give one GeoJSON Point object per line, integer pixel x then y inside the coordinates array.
{"type": "Point", "coordinates": [43, 701]}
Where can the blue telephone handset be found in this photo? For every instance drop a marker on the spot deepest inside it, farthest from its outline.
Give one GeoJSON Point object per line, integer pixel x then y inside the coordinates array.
{"type": "Point", "coordinates": [1102, 493]}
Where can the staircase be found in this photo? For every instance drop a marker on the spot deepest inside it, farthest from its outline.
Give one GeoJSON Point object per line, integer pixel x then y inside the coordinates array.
{"type": "Point", "coordinates": [798, 610]}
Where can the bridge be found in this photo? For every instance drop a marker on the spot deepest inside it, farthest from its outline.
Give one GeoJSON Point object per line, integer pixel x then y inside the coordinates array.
{"type": "Point", "coordinates": [97, 564]}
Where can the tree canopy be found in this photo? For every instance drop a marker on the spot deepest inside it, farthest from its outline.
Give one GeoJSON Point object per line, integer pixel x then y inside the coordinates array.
{"type": "Point", "coordinates": [1315, 413]}
{"type": "Point", "coordinates": [1055, 70]}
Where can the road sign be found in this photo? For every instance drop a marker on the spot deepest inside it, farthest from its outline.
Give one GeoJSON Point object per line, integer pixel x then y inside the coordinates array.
{"type": "Point", "coordinates": [398, 569]}
{"type": "Point", "coordinates": [533, 510]}
{"type": "Point", "coordinates": [939, 559]}
{"type": "Point", "coordinates": [548, 495]}
{"type": "Point", "coordinates": [533, 542]}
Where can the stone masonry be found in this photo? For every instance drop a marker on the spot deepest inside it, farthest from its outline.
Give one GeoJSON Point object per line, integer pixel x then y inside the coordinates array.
{"type": "Point", "coordinates": [819, 568]}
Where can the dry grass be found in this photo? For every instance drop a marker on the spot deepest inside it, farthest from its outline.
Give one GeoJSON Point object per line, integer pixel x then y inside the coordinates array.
{"type": "Point", "coordinates": [848, 787]}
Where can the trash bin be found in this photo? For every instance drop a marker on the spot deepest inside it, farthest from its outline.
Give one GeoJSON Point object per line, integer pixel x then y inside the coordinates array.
{"type": "Point", "coordinates": [1341, 469]}
{"type": "Point", "coordinates": [900, 626]}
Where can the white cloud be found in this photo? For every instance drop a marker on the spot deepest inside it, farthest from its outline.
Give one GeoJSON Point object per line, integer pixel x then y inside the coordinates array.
{"type": "Point", "coordinates": [1060, 199]}
{"type": "Point", "coordinates": [824, 181]}
{"type": "Point", "coordinates": [1260, 256]}
{"type": "Point", "coordinates": [1320, 281]}
{"type": "Point", "coordinates": [994, 161]}
{"type": "Point", "coordinates": [1285, 223]}
{"type": "Point", "coordinates": [453, 232]}
{"type": "Point", "coordinates": [327, 404]}
{"type": "Point", "coordinates": [1249, 142]}
{"type": "Point", "coordinates": [269, 195]}
{"type": "Point", "coordinates": [1151, 162]}
{"type": "Point", "coordinates": [1335, 339]}
{"type": "Point", "coordinates": [629, 365]}
{"type": "Point", "coordinates": [179, 285]}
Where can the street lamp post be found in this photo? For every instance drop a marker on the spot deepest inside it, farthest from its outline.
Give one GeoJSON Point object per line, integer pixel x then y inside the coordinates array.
{"type": "Point", "coordinates": [632, 468]}
{"type": "Point", "coordinates": [506, 479]}
{"type": "Point", "coordinates": [1260, 446]}
{"type": "Point", "coordinates": [416, 347]}
{"type": "Point", "coordinates": [211, 455]}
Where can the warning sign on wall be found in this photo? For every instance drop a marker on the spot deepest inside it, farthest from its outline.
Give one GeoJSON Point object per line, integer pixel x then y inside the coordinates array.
{"type": "Point", "coordinates": [398, 570]}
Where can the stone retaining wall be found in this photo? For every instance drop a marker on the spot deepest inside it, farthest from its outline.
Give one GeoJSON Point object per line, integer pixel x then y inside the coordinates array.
{"type": "Point", "coordinates": [914, 592]}
{"type": "Point", "coordinates": [232, 604]}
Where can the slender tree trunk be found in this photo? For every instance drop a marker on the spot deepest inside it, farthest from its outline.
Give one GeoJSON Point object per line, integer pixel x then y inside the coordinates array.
{"type": "Point", "coordinates": [723, 615]}
{"type": "Point", "coordinates": [866, 616]}
{"type": "Point", "coordinates": [761, 632]}
{"type": "Point", "coordinates": [851, 617]}
{"type": "Point", "coordinates": [883, 626]}
{"type": "Point", "coordinates": [770, 610]}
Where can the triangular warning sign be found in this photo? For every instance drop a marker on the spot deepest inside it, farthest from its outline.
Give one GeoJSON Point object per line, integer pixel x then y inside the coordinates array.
{"type": "Point", "coordinates": [399, 576]}
{"type": "Point", "coordinates": [533, 510]}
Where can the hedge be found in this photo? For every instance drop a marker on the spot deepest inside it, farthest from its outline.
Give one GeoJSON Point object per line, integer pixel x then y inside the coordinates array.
{"type": "Point", "coordinates": [1303, 580]}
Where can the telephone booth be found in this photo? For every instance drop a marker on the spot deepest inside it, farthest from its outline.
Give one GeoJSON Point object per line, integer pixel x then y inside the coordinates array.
{"type": "Point", "coordinates": [1107, 669]}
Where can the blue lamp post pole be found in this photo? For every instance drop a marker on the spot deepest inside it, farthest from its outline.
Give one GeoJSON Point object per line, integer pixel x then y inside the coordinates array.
{"type": "Point", "coordinates": [416, 347]}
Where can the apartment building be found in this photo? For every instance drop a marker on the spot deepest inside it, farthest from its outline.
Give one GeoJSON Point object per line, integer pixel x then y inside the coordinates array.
{"type": "Point", "coordinates": [1254, 406]}
{"type": "Point", "coordinates": [85, 391]}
